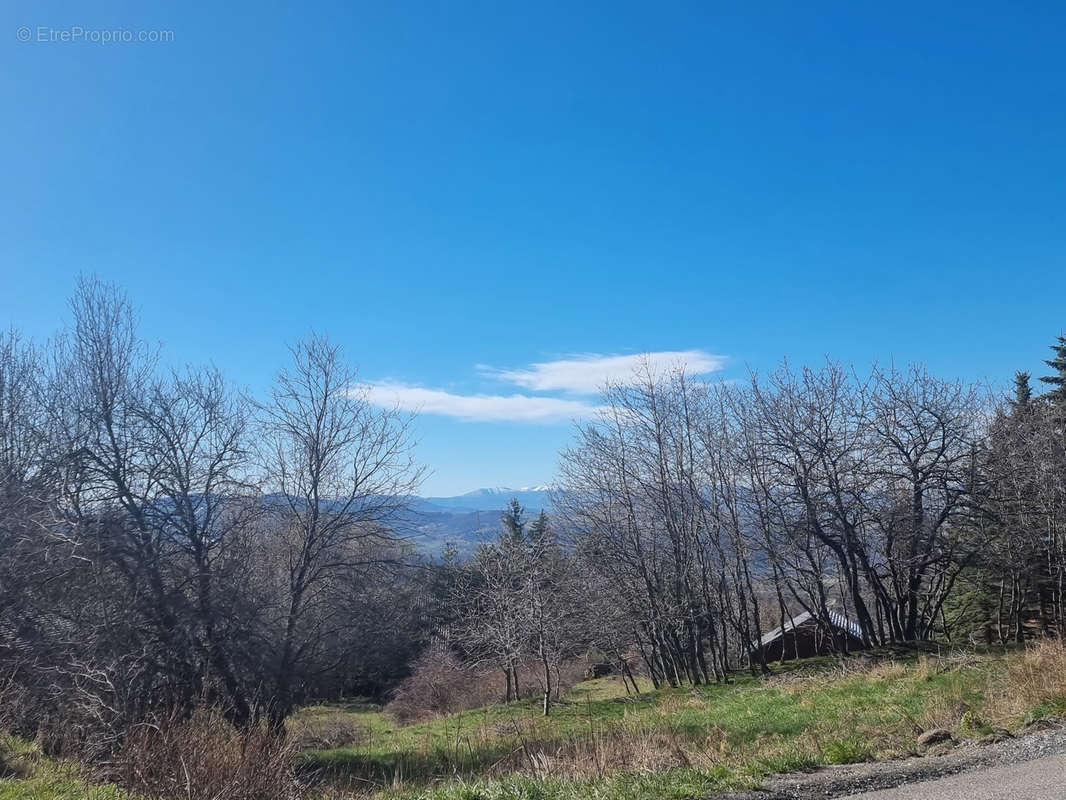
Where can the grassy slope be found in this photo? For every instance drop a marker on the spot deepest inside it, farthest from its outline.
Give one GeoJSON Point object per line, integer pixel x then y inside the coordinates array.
{"type": "Point", "coordinates": [670, 743]}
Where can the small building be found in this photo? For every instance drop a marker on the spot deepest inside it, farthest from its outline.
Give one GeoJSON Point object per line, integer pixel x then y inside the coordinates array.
{"type": "Point", "coordinates": [803, 637]}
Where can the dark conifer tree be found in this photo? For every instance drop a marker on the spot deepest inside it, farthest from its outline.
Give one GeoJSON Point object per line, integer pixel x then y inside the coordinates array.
{"type": "Point", "coordinates": [1058, 363]}
{"type": "Point", "coordinates": [1023, 392]}
{"type": "Point", "coordinates": [514, 524]}
{"type": "Point", "coordinates": [540, 532]}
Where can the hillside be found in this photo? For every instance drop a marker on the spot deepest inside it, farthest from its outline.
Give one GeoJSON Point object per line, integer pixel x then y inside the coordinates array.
{"type": "Point", "coordinates": [465, 520]}
{"type": "Point", "coordinates": [691, 742]}
{"type": "Point", "coordinates": [672, 743]}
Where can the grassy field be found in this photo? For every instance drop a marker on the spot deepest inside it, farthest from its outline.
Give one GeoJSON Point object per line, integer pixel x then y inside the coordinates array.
{"type": "Point", "coordinates": [672, 743]}
{"type": "Point", "coordinates": [688, 742]}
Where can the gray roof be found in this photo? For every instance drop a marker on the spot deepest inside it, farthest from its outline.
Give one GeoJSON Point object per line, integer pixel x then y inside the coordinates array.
{"type": "Point", "coordinates": [837, 619]}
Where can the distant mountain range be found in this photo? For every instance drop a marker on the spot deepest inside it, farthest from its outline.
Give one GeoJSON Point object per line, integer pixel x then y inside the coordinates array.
{"type": "Point", "coordinates": [466, 520]}
{"type": "Point", "coordinates": [532, 498]}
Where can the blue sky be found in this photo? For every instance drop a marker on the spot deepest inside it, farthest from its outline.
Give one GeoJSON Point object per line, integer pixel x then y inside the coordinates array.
{"type": "Point", "coordinates": [458, 192]}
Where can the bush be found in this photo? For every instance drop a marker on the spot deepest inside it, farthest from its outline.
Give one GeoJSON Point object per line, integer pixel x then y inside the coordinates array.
{"type": "Point", "coordinates": [441, 684]}
{"type": "Point", "coordinates": [204, 757]}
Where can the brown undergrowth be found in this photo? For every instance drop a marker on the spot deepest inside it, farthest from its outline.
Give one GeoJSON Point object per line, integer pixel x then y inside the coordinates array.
{"type": "Point", "coordinates": [204, 757]}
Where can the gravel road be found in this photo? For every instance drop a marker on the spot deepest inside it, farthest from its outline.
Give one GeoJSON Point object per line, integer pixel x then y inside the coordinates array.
{"type": "Point", "coordinates": [1037, 756]}
{"type": "Point", "coordinates": [1040, 779]}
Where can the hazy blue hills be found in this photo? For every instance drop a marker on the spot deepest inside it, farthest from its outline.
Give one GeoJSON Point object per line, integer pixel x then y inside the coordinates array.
{"type": "Point", "coordinates": [466, 520]}
{"type": "Point", "coordinates": [532, 498]}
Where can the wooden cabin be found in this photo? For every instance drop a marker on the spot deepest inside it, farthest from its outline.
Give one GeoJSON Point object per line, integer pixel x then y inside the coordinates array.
{"type": "Point", "coordinates": [803, 637]}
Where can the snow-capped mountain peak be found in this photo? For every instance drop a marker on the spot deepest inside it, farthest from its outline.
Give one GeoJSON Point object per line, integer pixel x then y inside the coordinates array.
{"type": "Point", "coordinates": [492, 491]}
{"type": "Point", "coordinates": [494, 498]}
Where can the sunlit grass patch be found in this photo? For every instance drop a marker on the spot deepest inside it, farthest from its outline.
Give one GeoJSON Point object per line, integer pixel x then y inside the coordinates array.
{"type": "Point", "coordinates": [28, 775]}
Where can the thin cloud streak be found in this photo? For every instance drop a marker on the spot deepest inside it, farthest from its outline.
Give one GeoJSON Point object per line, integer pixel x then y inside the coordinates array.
{"type": "Point", "coordinates": [477, 407]}
{"type": "Point", "coordinates": [587, 374]}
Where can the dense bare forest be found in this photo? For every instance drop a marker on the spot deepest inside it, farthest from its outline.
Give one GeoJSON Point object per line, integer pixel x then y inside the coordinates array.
{"type": "Point", "coordinates": [168, 542]}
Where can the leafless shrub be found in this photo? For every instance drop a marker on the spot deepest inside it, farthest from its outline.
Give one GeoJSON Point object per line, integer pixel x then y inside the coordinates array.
{"type": "Point", "coordinates": [16, 705]}
{"type": "Point", "coordinates": [204, 757]}
{"type": "Point", "coordinates": [331, 732]}
{"type": "Point", "coordinates": [441, 684]}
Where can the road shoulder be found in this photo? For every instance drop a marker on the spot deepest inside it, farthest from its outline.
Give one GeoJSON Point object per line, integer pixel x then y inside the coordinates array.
{"type": "Point", "coordinates": [855, 779]}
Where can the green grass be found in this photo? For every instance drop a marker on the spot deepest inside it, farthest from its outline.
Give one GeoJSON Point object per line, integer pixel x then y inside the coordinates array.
{"type": "Point", "coordinates": [691, 742]}
{"type": "Point", "coordinates": [31, 776]}
{"type": "Point", "coordinates": [671, 784]}
{"type": "Point", "coordinates": [847, 750]}
{"type": "Point", "coordinates": [673, 744]}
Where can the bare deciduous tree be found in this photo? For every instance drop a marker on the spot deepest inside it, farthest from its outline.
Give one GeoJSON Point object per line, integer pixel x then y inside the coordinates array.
{"type": "Point", "coordinates": [341, 469]}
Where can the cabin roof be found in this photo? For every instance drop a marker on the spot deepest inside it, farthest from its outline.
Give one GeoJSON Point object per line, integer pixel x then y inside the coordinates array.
{"type": "Point", "coordinates": [836, 619]}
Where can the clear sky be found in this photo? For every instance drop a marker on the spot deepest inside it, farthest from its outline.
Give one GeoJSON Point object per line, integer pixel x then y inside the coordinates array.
{"type": "Point", "coordinates": [472, 197]}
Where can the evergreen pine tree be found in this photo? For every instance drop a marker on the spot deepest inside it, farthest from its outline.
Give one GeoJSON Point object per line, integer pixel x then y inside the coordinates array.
{"type": "Point", "coordinates": [1023, 392]}
{"type": "Point", "coordinates": [514, 524]}
{"type": "Point", "coordinates": [1058, 393]}
{"type": "Point", "coordinates": [540, 530]}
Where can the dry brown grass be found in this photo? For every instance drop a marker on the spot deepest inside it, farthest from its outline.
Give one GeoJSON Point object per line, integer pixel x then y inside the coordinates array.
{"type": "Point", "coordinates": [1036, 678]}
{"type": "Point", "coordinates": [646, 746]}
{"type": "Point", "coordinates": [889, 671]}
{"type": "Point", "coordinates": [205, 758]}
{"type": "Point", "coordinates": [334, 730]}
{"type": "Point", "coordinates": [944, 710]}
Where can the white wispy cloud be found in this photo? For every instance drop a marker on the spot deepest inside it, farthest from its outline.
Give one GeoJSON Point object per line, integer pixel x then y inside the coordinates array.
{"type": "Point", "coordinates": [477, 407]}
{"type": "Point", "coordinates": [586, 374]}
